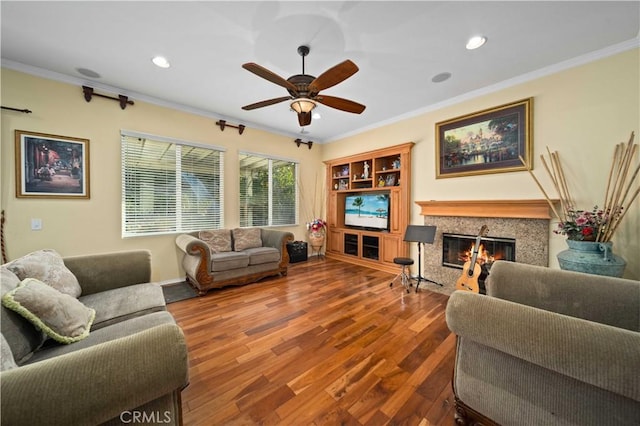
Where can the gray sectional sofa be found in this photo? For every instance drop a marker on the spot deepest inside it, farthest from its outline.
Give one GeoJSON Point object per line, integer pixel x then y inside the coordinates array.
{"type": "Point", "coordinates": [223, 257]}
{"type": "Point", "coordinates": [547, 347]}
{"type": "Point", "coordinates": [131, 364]}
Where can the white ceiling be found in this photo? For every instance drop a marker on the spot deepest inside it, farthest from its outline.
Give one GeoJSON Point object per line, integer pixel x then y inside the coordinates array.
{"type": "Point", "coordinates": [398, 46]}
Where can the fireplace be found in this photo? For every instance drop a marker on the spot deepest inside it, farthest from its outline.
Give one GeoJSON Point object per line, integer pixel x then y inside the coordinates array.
{"type": "Point", "coordinates": [527, 222]}
{"type": "Point", "coordinates": [458, 248]}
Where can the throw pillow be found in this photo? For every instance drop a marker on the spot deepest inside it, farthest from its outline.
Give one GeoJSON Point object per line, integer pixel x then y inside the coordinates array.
{"type": "Point", "coordinates": [246, 238]}
{"type": "Point", "coordinates": [60, 316]}
{"type": "Point", "coordinates": [47, 266]}
{"type": "Point", "coordinates": [218, 240]}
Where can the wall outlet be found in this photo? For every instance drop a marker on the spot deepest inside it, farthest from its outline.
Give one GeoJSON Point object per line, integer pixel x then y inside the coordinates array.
{"type": "Point", "coordinates": [36, 224]}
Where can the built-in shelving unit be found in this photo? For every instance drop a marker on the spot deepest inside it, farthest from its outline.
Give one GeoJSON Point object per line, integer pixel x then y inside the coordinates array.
{"type": "Point", "coordinates": [386, 171]}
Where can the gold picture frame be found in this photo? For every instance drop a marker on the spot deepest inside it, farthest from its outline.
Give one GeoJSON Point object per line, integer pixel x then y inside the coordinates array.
{"type": "Point", "coordinates": [487, 141]}
{"type": "Point", "coordinates": [51, 166]}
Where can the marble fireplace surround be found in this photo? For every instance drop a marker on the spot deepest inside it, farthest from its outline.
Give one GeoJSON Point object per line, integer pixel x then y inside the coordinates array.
{"type": "Point", "coordinates": [527, 221]}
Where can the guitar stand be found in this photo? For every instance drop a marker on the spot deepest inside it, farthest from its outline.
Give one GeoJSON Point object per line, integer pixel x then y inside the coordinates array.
{"type": "Point", "coordinates": [420, 278]}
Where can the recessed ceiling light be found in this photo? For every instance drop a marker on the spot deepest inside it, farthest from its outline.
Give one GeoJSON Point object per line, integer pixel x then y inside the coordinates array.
{"type": "Point", "coordinates": [161, 61]}
{"type": "Point", "coordinates": [475, 42]}
{"type": "Point", "coordinates": [439, 78]}
{"type": "Point", "coordinates": [88, 73]}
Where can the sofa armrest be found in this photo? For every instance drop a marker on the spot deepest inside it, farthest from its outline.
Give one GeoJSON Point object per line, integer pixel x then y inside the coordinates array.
{"type": "Point", "coordinates": [197, 257]}
{"type": "Point", "coordinates": [106, 271]}
{"type": "Point", "coordinates": [277, 239]}
{"type": "Point", "coordinates": [93, 385]}
{"type": "Point", "coordinates": [598, 354]}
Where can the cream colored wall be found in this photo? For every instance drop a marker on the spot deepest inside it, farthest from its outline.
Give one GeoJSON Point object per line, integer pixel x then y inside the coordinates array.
{"type": "Point", "coordinates": [75, 227]}
{"type": "Point", "coordinates": [580, 112]}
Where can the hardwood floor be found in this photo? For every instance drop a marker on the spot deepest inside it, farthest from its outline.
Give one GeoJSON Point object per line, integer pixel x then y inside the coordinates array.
{"type": "Point", "coordinates": [330, 344]}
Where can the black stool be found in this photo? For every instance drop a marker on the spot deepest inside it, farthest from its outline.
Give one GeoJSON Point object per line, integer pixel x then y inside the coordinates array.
{"type": "Point", "coordinates": [405, 279]}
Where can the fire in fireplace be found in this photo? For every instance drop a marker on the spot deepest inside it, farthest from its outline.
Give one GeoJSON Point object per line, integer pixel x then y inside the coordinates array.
{"type": "Point", "coordinates": [457, 249]}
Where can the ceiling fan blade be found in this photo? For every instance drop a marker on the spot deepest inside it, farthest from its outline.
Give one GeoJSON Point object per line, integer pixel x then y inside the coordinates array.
{"type": "Point", "coordinates": [304, 118]}
{"type": "Point", "coordinates": [266, 103]}
{"type": "Point", "coordinates": [268, 75]}
{"type": "Point", "coordinates": [341, 104]}
{"type": "Point", "coordinates": [333, 76]}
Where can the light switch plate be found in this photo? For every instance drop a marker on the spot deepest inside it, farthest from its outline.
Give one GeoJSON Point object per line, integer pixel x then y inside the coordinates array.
{"type": "Point", "coordinates": [36, 224]}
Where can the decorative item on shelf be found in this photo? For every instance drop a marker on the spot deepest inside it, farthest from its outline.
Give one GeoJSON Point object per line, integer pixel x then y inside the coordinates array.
{"type": "Point", "coordinates": [365, 175]}
{"type": "Point", "coordinates": [589, 233]}
{"type": "Point", "coordinates": [345, 171]}
{"type": "Point", "coordinates": [396, 163]}
{"type": "Point", "coordinates": [391, 180]}
{"type": "Point", "coordinates": [381, 181]}
{"type": "Point", "coordinates": [343, 184]}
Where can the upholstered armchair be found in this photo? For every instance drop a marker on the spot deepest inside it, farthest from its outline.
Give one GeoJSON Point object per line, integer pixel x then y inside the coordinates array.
{"type": "Point", "coordinates": [547, 347]}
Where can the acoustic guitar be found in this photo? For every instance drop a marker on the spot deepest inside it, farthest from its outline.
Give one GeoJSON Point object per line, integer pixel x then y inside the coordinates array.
{"type": "Point", "coordinates": [472, 271]}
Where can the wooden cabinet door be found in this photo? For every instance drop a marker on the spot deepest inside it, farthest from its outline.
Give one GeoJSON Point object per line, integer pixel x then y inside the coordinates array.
{"type": "Point", "coordinates": [391, 247]}
{"type": "Point", "coordinates": [335, 241]}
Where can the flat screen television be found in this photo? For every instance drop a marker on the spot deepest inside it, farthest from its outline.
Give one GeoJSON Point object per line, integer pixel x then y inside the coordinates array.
{"type": "Point", "coordinates": [368, 211]}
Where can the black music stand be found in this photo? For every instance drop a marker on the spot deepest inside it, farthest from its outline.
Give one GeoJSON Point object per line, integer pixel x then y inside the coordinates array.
{"type": "Point", "coordinates": [421, 235]}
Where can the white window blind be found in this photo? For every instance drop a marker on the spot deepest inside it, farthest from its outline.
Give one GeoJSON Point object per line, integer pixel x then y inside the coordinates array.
{"type": "Point", "coordinates": [169, 186]}
{"type": "Point", "coordinates": [268, 191]}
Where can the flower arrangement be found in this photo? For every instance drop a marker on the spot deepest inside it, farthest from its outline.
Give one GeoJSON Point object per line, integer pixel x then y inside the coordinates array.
{"type": "Point", "coordinates": [598, 224]}
{"type": "Point", "coordinates": [317, 226]}
{"type": "Point", "coordinates": [581, 225]}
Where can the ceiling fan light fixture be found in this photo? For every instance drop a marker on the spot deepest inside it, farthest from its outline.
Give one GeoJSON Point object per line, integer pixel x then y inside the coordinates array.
{"type": "Point", "coordinates": [302, 105]}
{"type": "Point", "coordinates": [475, 42]}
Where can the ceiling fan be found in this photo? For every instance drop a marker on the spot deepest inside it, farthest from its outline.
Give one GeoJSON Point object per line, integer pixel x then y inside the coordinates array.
{"type": "Point", "coordinates": [304, 90]}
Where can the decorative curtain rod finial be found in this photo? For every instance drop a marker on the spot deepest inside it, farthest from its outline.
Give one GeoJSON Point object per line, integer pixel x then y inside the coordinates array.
{"type": "Point", "coordinates": [223, 123]}
{"type": "Point", "coordinates": [299, 141]}
{"type": "Point", "coordinates": [89, 93]}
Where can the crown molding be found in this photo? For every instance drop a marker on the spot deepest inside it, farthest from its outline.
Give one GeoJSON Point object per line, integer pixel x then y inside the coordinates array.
{"type": "Point", "coordinates": [633, 43]}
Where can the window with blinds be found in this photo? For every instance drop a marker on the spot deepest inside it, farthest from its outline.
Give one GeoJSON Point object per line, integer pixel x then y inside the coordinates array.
{"type": "Point", "coordinates": [170, 186]}
{"type": "Point", "coordinates": [268, 191]}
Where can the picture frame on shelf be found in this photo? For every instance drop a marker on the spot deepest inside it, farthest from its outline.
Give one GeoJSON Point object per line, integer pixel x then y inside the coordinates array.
{"type": "Point", "coordinates": [51, 166]}
{"type": "Point", "coordinates": [487, 141]}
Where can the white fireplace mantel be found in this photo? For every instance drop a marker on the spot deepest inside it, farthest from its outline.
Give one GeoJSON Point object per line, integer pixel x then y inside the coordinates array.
{"type": "Point", "coordinates": [521, 209]}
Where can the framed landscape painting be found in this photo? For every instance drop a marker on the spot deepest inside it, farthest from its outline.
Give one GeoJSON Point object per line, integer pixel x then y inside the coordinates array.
{"type": "Point", "coordinates": [50, 166]}
{"type": "Point", "coordinates": [488, 141]}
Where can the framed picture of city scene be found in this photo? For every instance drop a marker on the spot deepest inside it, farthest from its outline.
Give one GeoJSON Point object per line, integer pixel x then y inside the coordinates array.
{"type": "Point", "coordinates": [50, 166]}
{"type": "Point", "coordinates": [488, 141]}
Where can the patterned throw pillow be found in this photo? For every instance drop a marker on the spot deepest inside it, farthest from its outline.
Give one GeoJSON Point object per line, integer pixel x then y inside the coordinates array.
{"type": "Point", "coordinates": [246, 238]}
{"type": "Point", "coordinates": [60, 316]}
{"type": "Point", "coordinates": [47, 266]}
{"type": "Point", "coordinates": [218, 240]}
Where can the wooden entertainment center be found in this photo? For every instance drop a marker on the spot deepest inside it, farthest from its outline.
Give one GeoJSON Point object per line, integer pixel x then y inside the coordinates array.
{"type": "Point", "coordinates": [385, 171]}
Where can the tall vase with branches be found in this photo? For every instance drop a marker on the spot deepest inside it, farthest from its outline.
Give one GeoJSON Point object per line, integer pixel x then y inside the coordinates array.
{"type": "Point", "coordinates": [595, 226]}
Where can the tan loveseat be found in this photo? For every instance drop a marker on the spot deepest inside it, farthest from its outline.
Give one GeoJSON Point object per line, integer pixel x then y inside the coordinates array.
{"type": "Point", "coordinates": [547, 347]}
{"type": "Point", "coordinates": [131, 366]}
{"type": "Point", "coordinates": [219, 258]}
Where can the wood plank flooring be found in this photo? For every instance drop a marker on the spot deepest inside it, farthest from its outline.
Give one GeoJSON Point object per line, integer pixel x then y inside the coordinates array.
{"type": "Point", "coordinates": [330, 344]}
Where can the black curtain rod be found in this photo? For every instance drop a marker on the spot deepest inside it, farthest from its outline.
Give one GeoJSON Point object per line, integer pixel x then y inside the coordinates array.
{"type": "Point", "coordinates": [26, 111]}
